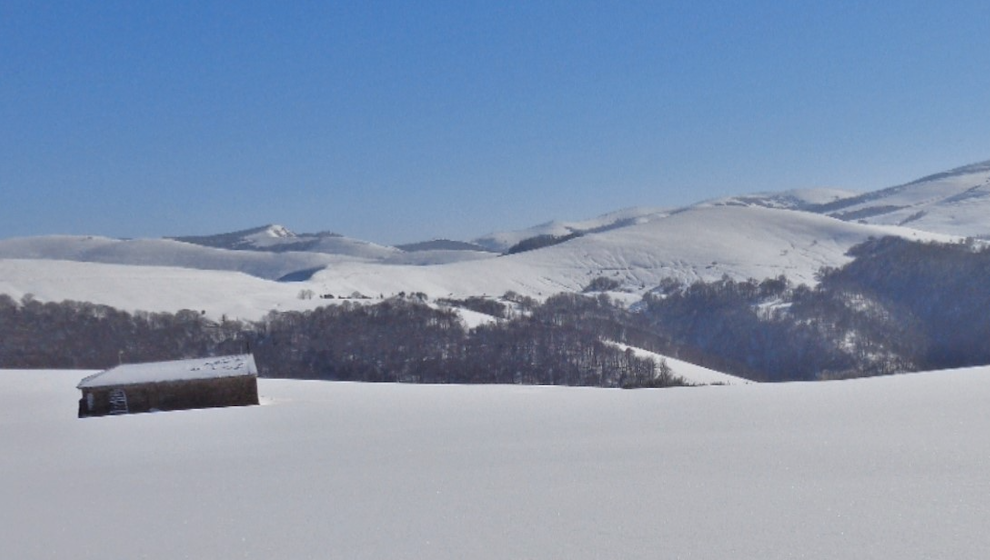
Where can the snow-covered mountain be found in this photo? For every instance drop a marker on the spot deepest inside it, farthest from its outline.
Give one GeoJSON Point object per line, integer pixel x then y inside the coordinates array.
{"type": "Point", "coordinates": [792, 233]}
{"type": "Point", "coordinates": [272, 237]}
{"type": "Point", "coordinates": [441, 245]}
{"type": "Point", "coordinates": [276, 238]}
{"type": "Point", "coordinates": [701, 243]}
{"type": "Point", "coordinates": [502, 241]}
{"type": "Point", "coordinates": [956, 202]}
{"type": "Point", "coordinates": [798, 199]}
{"type": "Point", "coordinates": [162, 252]}
{"type": "Point", "coordinates": [287, 262]}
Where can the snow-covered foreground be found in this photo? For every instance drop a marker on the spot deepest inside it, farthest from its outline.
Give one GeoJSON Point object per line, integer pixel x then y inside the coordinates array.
{"type": "Point", "coordinates": [881, 468]}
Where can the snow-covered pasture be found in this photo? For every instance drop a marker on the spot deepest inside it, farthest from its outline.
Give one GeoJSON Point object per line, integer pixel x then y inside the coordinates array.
{"type": "Point", "coordinates": [890, 467]}
{"type": "Point", "coordinates": [151, 288]}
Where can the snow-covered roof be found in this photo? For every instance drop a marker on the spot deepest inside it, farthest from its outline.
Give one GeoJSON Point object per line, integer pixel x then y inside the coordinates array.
{"type": "Point", "coordinates": [180, 370]}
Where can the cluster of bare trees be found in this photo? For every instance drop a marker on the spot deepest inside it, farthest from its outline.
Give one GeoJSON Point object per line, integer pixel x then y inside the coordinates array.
{"type": "Point", "coordinates": [938, 290]}
{"type": "Point", "coordinates": [406, 340]}
{"type": "Point", "coordinates": [74, 334]}
{"type": "Point", "coordinates": [772, 331]}
{"type": "Point", "coordinates": [899, 306]}
{"type": "Point", "coordinates": [399, 339]}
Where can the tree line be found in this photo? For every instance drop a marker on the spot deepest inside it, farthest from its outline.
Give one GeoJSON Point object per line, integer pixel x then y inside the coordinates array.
{"type": "Point", "coordinates": [401, 339]}
{"type": "Point", "coordinates": [897, 306]}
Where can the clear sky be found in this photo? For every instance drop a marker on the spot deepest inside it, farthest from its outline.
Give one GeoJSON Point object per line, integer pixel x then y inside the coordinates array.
{"type": "Point", "coordinates": [405, 121]}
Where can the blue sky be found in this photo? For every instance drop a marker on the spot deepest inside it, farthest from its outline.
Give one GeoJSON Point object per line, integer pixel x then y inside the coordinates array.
{"type": "Point", "coordinates": [404, 121]}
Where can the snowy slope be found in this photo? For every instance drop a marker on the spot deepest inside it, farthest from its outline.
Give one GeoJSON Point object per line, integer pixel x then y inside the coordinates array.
{"type": "Point", "coordinates": [889, 467]}
{"type": "Point", "coordinates": [501, 241]}
{"type": "Point", "coordinates": [263, 238]}
{"type": "Point", "coordinates": [692, 373]}
{"type": "Point", "coordinates": [742, 242]}
{"type": "Point", "coordinates": [955, 202]}
{"type": "Point", "coordinates": [797, 199]}
{"type": "Point", "coordinates": [696, 244]}
{"type": "Point", "coordinates": [161, 252]}
{"type": "Point", "coordinates": [437, 256]}
{"type": "Point", "coordinates": [150, 288]}
{"type": "Point", "coordinates": [352, 248]}
{"type": "Point", "coordinates": [266, 264]}
{"type": "Point", "coordinates": [277, 238]}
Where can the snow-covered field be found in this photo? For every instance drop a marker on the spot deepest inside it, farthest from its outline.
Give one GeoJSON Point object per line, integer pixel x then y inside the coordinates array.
{"type": "Point", "coordinates": [151, 288]}
{"type": "Point", "coordinates": [890, 467]}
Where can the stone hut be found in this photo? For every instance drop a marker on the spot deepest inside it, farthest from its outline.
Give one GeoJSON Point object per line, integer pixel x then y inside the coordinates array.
{"type": "Point", "coordinates": [177, 385]}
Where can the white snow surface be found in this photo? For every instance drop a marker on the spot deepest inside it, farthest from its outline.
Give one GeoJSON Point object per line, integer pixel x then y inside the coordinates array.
{"type": "Point", "coordinates": [276, 236]}
{"type": "Point", "coordinates": [796, 199]}
{"type": "Point", "coordinates": [178, 370]}
{"type": "Point", "coordinates": [890, 467]}
{"type": "Point", "coordinates": [692, 373]}
{"type": "Point", "coordinates": [279, 238]}
{"type": "Point", "coordinates": [474, 319]}
{"type": "Point", "coordinates": [956, 202]}
{"type": "Point", "coordinates": [354, 248]}
{"type": "Point", "coordinates": [163, 252]}
{"type": "Point", "coordinates": [437, 256]}
{"type": "Point", "coordinates": [151, 288]}
{"type": "Point", "coordinates": [270, 235]}
{"type": "Point", "coordinates": [327, 251]}
{"type": "Point", "coordinates": [503, 240]}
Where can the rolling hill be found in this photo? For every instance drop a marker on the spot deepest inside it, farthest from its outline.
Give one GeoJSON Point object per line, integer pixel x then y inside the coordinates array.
{"type": "Point", "coordinates": [793, 233]}
{"type": "Point", "coordinates": [695, 244]}
{"type": "Point", "coordinates": [956, 202]}
{"type": "Point", "coordinates": [161, 252]}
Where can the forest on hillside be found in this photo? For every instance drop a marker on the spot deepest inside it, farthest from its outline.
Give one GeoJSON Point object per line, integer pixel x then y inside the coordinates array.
{"type": "Point", "coordinates": [899, 306]}
{"type": "Point", "coordinates": [402, 339]}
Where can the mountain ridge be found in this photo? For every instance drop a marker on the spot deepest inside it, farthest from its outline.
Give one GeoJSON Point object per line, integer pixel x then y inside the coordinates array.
{"type": "Point", "coordinates": [761, 235]}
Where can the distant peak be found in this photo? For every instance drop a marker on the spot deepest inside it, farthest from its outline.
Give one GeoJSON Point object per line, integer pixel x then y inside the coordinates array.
{"type": "Point", "coordinates": [277, 231]}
